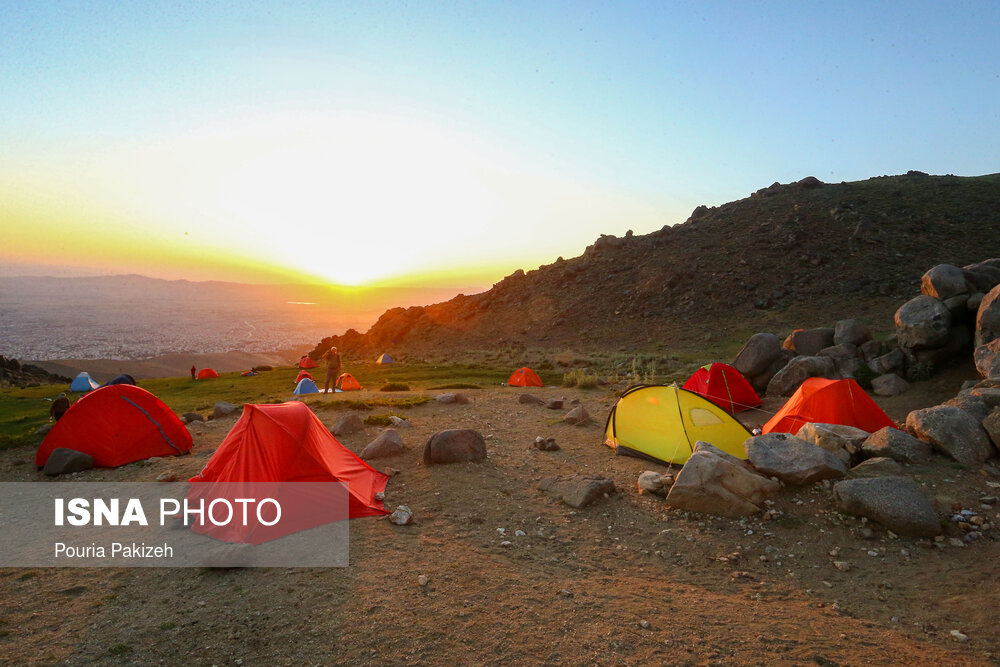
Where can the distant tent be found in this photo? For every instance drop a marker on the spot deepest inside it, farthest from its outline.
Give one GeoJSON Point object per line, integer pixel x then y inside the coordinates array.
{"type": "Point", "coordinates": [819, 400]}
{"type": "Point", "coordinates": [384, 359]}
{"type": "Point", "coordinates": [525, 377]}
{"type": "Point", "coordinates": [288, 443]}
{"type": "Point", "coordinates": [116, 425]}
{"type": "Point", "coordinates": [347, 382]}
{"type": "Point", "coordinates": [307, 362]}
{"type": "Point", "coordinates": [206, 373]}
{"type": "Point", "coordinates": [306, 386]}
{"type": "Point", "coordinates": [83, 382]}
{"type": "Point", "coordinates": [303, 374]}
{"type": "Point", "coordinates": [723, 385]}
{"type": "Point", "coordinates": [121, 379]}
{"type": "Point", "coordinates": [249, 373]}
{"type": "Point", "coordinates": [663, 423]}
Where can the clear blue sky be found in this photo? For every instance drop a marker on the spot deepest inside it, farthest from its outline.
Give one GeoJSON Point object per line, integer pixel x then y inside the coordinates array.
{"type": "Point", "coordinates": [628, 113]}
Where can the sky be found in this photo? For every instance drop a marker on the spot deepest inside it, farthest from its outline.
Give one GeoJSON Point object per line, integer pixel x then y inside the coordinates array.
{"type": "Point", "coordinates": [450, 143]}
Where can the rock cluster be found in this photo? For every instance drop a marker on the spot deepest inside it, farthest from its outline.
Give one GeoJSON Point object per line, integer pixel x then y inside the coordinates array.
{"type": "Point", "coordinates": [15, 374]}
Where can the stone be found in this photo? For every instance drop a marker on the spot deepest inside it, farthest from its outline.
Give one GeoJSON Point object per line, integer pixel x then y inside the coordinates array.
{"type": "Point", "coordinates": [44, 429]}
{"type": "Point", "coordinates": [922, 322]}
{"type": "Point", "coordinates": [223, 409]}
{"type": "Point", "coordinates": [423, 580]}
{"type": "Point", "coordinates": [988, 318]}
{"type": "Point", "coordinates": [546, 444]}
{"type": "Point", "coordinates": [445, 398]}
{"type": "Point", "coordinates": [702, 446]}
{"type": "Point", "coordinates": [957, 306]}
{"type": "Point", "coordinates": [401, 516]}
{"type": "Point", "coordinates": [974, 405]}
{"type": "Point", "coordinates": [851, 332]}
{"type": "Point", "coordinates": [399, 422]}
{"type": "Point", "coordinates": [897, 503]}
{"type": "Point", "coordinates": [808, 342]}
{"type": "Point", "coordinates": [528, 399]}
{"type": "Point", "coordinates": [649, 482]}
{"type": "Point", "coordinates": [897, 445]}
{"type": "Point", "coordinates": [846, 357]}
{"type": "Point", "coordinates": [987, 358]}
{"type": "Point", "coordinates": [890, 362]}
{"type": "Point", "coordinates": [943, 282]}
{"type": "Point", "coordinates": [455, 446]}
{"type": "Point", "coordinates": [990, 395]}
{"type": "Point", "coordinates": [981, 276]}
{"type": "Point", "coordinates": [63, 461]}
{"type": "Point", "coordinates": [760, 382]}
{"type": "Point", "coordinates": [880, 466]}
{"type": "Point", "coordinates": [387, 443]}
{"type": "Point", "coordinates": [838, 439]}
{"type": "Point", "coordinates": [797, 371]}
{"type": "Point", "coordinates": [889, 384]}
{"type": "Point", "coordinates": [991, 424]}
{"type": "Point", "coordinates": [348, 424]}
{"type": "Point", "coordinates": [757, 354]}
{"type": "Point", "coordinates": [554, 404]}
{"type": "Point", "coordinates": [792, 460]}
{"type": "Point", "coordinates": [167, 477]}
{"type": "Point", "coordinates": [578, 416]}
{"type": "Point", "coordinates": [952, 431]}
{"type": "Point", "coordinates": [577, 490]}
{"type": "Point", "coordinates": [712, 484]}
{"type": "Point", "coordinates": [189, 417]}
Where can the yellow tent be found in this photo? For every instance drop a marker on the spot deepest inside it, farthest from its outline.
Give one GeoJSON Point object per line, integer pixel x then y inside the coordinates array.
{"type": "Point", "coordinates": [663, 423]}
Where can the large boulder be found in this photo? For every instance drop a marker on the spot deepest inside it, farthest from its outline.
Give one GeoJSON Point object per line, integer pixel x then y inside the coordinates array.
{"type": "Point", "coordinates": [974, 405]}
{"type": "Point", "coordinates": [808, 342]}
{"type": "Point", "coordinates": [897, 445]}
{"type": "Point", "coordinates": [577, 490]}
{"type": "Point", "coordinates": [63, 461]}
{"type": "Point", "coordinates": [578, 416]}
{"type": "Point", "coordinates": [880, 466]}
{"type": "Point", "coordinates": [987, 359]}
{"type": "Point", "coordinates": [388, 443]}
{"type": "Point", "coordinates": [889, 384]}
{"type": "Point", "coordinates": [943, 282]}
{"type": "Point", "coordinates": [348, 424]}
{"type": "Point", "coordinates": [952, 431]}
{"type": "Point", "coordinates": [455, 446]}
{"type": "Point", "coordinates": [797, 371]}
{"type": "Point", "coordinates": [840, 440]}
{"type": "Point", "coordinates": [223, 409]}
{"type": "Point", "coordinates": [713, 484]}
{"type": "Point", "coordinates": [851, 332]}
{"type": "Point", "coordinates": [792, 460]}
{"type": "Point", "coordinates": [890, 362]}
{"type": "Point", "coordinates": [898, 503]}
{"type": "Point", "coordinates": [988, 317]}
{"type": "Point", "coordinates": [760, 382]}
{"type": "Point", "coordinates": [757, 354]}
{"type": "Point", "coordinates": [922, 322]}
{"type": "Point", "coordinates": [982, 276]}
{"type": "Point", "coordinates": [846, 357]}
{"type": "Point", "coordinates": [992, 426]}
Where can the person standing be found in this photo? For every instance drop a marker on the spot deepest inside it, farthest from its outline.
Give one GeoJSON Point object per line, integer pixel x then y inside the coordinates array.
{"type": "Point", "coordinates": [58, 408]}
{"type": "Point", "coordinates": [332, 357]}
{"type": "Point", "coordinates": [193, 369]}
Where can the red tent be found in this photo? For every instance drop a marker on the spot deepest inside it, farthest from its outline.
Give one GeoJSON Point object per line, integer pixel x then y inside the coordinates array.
{"type": "Point", "coordinates": [525, 377]}
{"type": "Point", "coordinates": [347, 382]}
{"type": "Point", "coordinates": [302, 374]}
{"type": "Point", "coordinates": [725, 386]}
{"type": "Point", "coordinates": [824, 401]}
{"type": "Point", "coordinates": [286, 442]}
{"type": "Point", "coordinates": [206, 373]}
{"type": "Point", "coordinates": [307, 362]}
{"type": "Point", "coordinates": [117, 424]}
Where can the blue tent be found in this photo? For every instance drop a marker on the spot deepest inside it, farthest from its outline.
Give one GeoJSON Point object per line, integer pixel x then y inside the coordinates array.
{"type": "Point", "coordinates": [83, 382]}
{"type": "Point", "coordinates": [306, 386]}
{"type": "Point", "coordinates": [124, 378]}
{"type": "Point", "coordinates": [384, 359]}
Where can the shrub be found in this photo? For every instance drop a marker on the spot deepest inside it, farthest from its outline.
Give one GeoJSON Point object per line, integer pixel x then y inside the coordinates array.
{"type": "Point", "coordinates": [394, 386]}
{"type": "Point", "coordinates": [378, 420]}
{"type": "Point", "coordinates": [579, 378]}
{"type": "Point", "coordinates": [864, 376]}
{"type": "Point", "coordinates": [922, 370]}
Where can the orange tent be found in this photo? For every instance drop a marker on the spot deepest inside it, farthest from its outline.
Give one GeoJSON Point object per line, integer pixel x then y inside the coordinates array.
{"type": "Point", "coordinates": [824, 401]}
{"type": "Point", "coordinates": [347, 382]}
{"type": "Point", "coordinates": [525, 377]}
{"type": "Point", "coordinates": [206, 373]}
{"type": "Point", "coordinates": [723, 385]}
{"type": "Point", "coordinates": [117, 424]}
{"type": "Point", "coordinates": [307, 362]}
{"type": "Point", "coordinates": [302, 374]}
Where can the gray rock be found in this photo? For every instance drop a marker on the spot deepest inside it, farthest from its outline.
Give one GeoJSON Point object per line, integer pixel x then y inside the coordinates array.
{"type": "Point", "coordinates": [757, 354]}
{"type": "Point", "coordinates": [974, 405]}
{"type": "Point", "coordinates": [991, 424]}
{"type": "Point", "coordinates": [554, 404]}
{"type": "Point", "coordinates": [889, 384]}
{"type": "Point", "coordinates": [577, 490]}
{"type": "Point", "coordinates": [808, 342]}
{"type": "Point", "coordinates": [399, 422]}
{"type": "Point", "coordinates": [388, 443]}
{"type": "Point", "coordinates": [702, 446]}
{"type": "Point", "coordinates": [455, 446]}
{"type": "Point", "coordinates": [528, 399]}
{"type": "Point", "coordinates": [957, 306]}
{"type": "Point", "coordinates": [897, 445]}
{"type": "Point", "coordinates": [760, 382]}
{"type": "Point", "coordinates": [975, 300]}
{"type": "Point", "coordinates": [981, 276]}
{"type": "Point", "coordinates": [952, 431]}
{"type": "Point", "coordinates": [62, 461]}
{"type": "Point", "coordinates": [840, 440]}
{"type": "Point", "coordinates": [348, 424]}
{"type": "Point", "coordinates": [846, 357]}
{"type": "Point", "coordinates": [880, 466]}
{"type": "Point", "coordinates": [987, 359]}
{"type": "Point", "coordinates": [798, 370]}
{"type": "Point", "coordinates": [189, 417]}
{"type": "Point", "coordinates": [851, 332]}
{"type": "Point", "coordinates": [649, 482]}
{"type": "Point", "coordinates": [872, 349]}
{"type": "Point", "coordinates": [578, 416]}
{"type": "Point", "coordinates": [890, 362]}
{"type": "Point", "coordinates": [445, 398]}
{"type": "Point", "coordinates": [988, 318]}
{"type": "Point", "coordinates": [44, 429]}
{"type": "Point", "coordinates": [401, 516]}
{"type": "Point", "coordinates": [223, 409]}
{"type": "Point", "coordinates": [713, 484]}
{"type": "Point", "coordinates": [546, 444]}
{"type": "Point", "coordinates": [898, 503]}
{"type": "Point", "coordinates": [922, 322]}
{"type": "Point", "coordinates": [943, 282]}
{"type": "Point", "coordinates": [990, 395]}
{"type": "Point", "coordinates": [792, 460]}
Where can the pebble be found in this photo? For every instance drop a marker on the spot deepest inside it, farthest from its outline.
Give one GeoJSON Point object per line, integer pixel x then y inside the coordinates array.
{"type": "Point", "coordinates": [644, 624]}
{"type": "Point", "coordinates": [519, 533]}
{"type": "Point", "coordinates": [842, 565]}
{"type": "Point", "coordinates": [423, 580]}
{"type": "Point", "coordinates": [959, 637]}
{"type": "Point", "coordinates": [506, 543]}
{"type": "Point", "coordinates": [401, 516]}
{"type": "Point", "coordinates": [166, 477]}
{"type": "Point", "coordinates": [955, 542]}
{"type": "Point", "coordinates": [565, 593]}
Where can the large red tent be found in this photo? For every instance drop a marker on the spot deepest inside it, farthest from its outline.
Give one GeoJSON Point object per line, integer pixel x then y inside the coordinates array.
{"type": "Point", "coordinates": [525, 377]}
{"type": "Point", "coordinates": [823, 401]}
{"type": "Point", "coordinates": [723, 385]}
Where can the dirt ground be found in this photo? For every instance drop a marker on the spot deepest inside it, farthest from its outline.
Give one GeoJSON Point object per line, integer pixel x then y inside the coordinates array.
{"type": "Point", "coordinates": [627, 580]}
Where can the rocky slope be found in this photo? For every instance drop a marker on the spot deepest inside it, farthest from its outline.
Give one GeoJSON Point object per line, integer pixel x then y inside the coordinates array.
{"type": "Point", "coordinates": [797, 255]}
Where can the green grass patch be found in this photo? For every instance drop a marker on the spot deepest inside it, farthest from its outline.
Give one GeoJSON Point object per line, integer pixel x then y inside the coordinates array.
{"type": "Point", "coordinates": [394, 386]}
{"type": "Point", "coordinates": [120, 649]}
{"type": "Point", "coordinates": [378, 420]}
{"type": "Point", "coordinates": [580, 379]}
{"type": "Point", "coordinates": [167, 626]}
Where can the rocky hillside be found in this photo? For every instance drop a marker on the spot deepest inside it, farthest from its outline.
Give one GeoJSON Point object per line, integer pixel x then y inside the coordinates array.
{"type": "Point", "coordinates": [789, 256]}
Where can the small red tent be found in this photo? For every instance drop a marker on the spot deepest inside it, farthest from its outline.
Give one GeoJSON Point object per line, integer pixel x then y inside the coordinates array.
{"type": "Point", "coordinates": [347, 382]}
{"type": "Point", "coordinates": [824, 401]}
{"type": "Point", "coordinates": [525, 377]}
{"type": "Point", "coordinates": [117, 424]}
{"type": "Point", "coordinates": [725, 386]}
{"type": "Point", "coordinates": [307, 362]}
{"type": "Point", "coordinates": [206, 373]}
{"type": "Point", "coordinates": [303, 374]}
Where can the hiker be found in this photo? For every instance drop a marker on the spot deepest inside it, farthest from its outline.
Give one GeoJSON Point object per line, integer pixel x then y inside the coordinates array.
{"type": "Point", "coordinates": [332, 357]}
{"type": "Point", "coordinates": [58, 408]}
{"type": "Point", "coordinates": [193, 371]}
